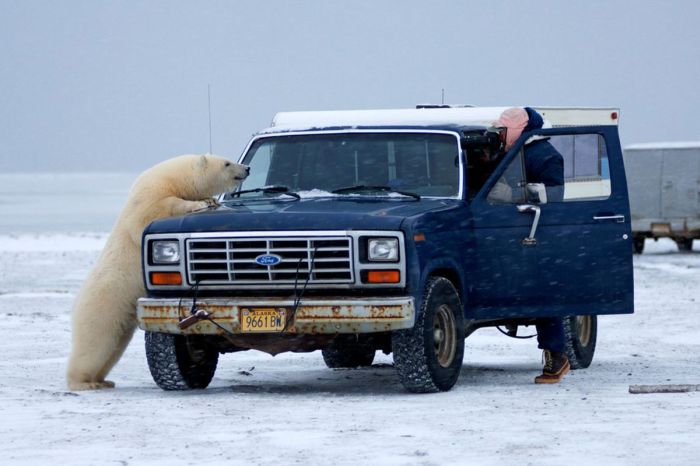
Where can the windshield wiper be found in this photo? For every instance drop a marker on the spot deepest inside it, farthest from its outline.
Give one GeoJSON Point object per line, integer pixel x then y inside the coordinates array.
{"type": "Point", "coordinates": [386, 189]}
{"type": "Point", "coordinates": [275, 189]}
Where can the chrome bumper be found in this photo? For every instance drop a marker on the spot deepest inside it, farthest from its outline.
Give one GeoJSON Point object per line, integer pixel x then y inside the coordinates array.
{"type": "Point", "coordinates": [313, 316]}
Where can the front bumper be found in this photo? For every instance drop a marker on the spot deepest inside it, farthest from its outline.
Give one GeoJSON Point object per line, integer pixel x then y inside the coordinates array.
{"type": "Point", "coordinates": [313, 316]}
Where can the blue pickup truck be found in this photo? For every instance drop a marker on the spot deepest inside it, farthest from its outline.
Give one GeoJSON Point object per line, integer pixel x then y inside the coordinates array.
{"type": "Point", "coordinates": [400, 231]}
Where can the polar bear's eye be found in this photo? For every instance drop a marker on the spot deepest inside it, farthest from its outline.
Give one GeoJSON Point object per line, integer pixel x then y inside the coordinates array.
{"type": "Point", "coordinates": [227, 164]}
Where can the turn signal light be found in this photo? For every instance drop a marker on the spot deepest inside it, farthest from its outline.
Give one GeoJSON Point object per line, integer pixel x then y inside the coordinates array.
{"type": "Point", "coordinates": [166, 278]}
{"type": "Point", "coordinates": [383, 276]}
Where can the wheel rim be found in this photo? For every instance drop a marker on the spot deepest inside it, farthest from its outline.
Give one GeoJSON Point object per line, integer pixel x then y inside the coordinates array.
{"type": "Point", "coordinates": [444, 336]}
{"type": "Point", "coordinates": [583, 329]}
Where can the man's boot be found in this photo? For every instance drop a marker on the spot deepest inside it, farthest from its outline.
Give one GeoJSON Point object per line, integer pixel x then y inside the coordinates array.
{"type": "Point", "coordinates": [556, 365]}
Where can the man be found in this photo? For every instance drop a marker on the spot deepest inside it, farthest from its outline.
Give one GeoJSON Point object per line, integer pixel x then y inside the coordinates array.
{"type": "Point", "coordinates": [543, 164]}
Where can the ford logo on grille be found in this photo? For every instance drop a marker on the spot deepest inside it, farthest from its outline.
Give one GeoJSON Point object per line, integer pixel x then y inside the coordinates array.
{"type": "Point", "coordinates": [268, 259]}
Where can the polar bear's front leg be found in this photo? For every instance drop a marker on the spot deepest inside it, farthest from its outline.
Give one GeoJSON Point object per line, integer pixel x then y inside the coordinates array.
{"type": "Point", "coordinates": [177, 206]}
{"type": "Point", "coordinates": [166, 207]}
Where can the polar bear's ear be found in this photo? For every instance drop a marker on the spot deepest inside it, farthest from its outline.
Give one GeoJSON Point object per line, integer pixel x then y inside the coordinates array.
{"type": "Point", "coordinates": [202, 162]}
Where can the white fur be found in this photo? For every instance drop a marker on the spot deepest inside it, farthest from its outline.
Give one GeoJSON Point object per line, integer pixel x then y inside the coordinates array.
{"type": "Point", "coordinates": [104, 313]}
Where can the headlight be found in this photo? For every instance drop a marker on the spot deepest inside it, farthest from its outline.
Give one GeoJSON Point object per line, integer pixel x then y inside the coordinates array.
{"type": "Point", "coordinates": [166, 252]}
{"type": "Point", "coordinates": [383, 249]}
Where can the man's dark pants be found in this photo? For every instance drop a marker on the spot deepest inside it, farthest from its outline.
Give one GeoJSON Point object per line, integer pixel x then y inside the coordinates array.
{"type": "Point", "coordinates": [550, 334]}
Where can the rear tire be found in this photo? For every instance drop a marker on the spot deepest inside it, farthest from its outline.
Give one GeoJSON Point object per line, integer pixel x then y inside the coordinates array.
{"type": "Point", "coordinates": [581, 334]}
{"type": "Point", "coordinates": [348, 355]}
{"type": "Point", "coordinates": [638, 244]}
{"type": "Point", "coordinates": [428, 357]}
{"type": "Point", "coordinates": [177, 362]}
{"type": "Point", "coordinates": [684, 244]}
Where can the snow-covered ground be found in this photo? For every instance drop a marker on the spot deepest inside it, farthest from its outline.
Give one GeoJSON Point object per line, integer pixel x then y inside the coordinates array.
{"type": "Point", "coordinates": [290, 409]}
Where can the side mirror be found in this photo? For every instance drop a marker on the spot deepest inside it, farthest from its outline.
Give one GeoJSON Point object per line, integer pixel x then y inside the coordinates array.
{"type": "Point", "coordinates": [537, 193]}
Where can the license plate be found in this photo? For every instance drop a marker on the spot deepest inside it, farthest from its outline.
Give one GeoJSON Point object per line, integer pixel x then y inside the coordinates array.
{"type": "Point", "coordinates": [267, 319]}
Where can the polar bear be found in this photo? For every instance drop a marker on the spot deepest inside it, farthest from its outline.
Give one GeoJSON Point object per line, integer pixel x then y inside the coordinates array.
{"type": "Point", "coordinates": [104, 313]}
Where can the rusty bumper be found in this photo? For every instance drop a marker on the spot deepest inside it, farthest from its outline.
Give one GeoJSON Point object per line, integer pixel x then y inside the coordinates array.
{"type": "Point", "coordinates": [313, 316]}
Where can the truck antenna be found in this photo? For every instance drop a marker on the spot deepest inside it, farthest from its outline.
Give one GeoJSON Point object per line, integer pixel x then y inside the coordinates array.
{"type": "Point", "coordinates": [209, 100]}
{"type": "Point", "coordinates": [443, 96]}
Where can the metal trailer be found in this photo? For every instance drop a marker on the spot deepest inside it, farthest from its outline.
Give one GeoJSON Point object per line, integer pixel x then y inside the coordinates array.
{"type": "Point", "coordinates": [664, 191]}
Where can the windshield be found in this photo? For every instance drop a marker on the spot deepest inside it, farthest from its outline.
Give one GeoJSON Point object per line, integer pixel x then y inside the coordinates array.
{"type": "Point", "coordinates": [426, 164]}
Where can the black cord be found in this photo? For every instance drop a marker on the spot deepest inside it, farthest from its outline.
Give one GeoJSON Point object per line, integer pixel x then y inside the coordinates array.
{"type": "Point", "coordinates": [297, 297]}
{"type": "Point", "coordinates": [515, 336]}
{"type": "Point", "coordinates": [206, 315]}
{"type": "Point", "coordinates": [194, 288]}
{"type": "Point", "coordinates": [294, 308]}
{"type": "Point", "coordinates": [179, 306]}
{"type": "Point", "coordinates": [179, 303]}
{"type": "Point", "coordinates": [226, 331]}
{"type": "Point", "coordinates": [193, 309]}
{"type": "Point", "coordinates": [292, 314]}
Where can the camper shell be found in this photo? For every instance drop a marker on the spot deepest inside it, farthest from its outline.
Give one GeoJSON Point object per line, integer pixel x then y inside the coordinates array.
{"type": "Point", "coordinates": [664, 189]}
{"type": "Point", "coordinates": [385, 230]}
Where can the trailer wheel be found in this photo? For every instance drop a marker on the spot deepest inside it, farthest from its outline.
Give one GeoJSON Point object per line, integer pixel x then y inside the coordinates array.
{"type": "Point", "coordinates": [428, 357]}
{"type": "Point", "coordinates": [638, 244]}
{"type": "Point", "coordinates": [348, 355]}
{"type": "Point", "coordinates": [177, 362]}
{"type": "Point", "coordinates": [581, 334]}
{"type": "Point", "coordinates": [684, 244]}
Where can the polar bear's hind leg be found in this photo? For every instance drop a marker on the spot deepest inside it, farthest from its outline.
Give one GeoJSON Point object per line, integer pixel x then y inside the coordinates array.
{"type": "Point", "coordinates": [117, 353]}
{"type": "Point", "coordinates": [79, 386]}
{"type": "Point", "coordinates": [99, 339]}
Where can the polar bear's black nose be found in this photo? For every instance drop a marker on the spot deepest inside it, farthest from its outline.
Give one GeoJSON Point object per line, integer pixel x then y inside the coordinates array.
{"type": "Point", "coordinates": [247, 171]}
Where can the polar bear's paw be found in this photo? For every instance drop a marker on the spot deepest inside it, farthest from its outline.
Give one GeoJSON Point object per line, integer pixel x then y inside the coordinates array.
{"type": "Point", "coordinates": [211, 202]}
{"type": "Point", "coordinates": [80, 386]}
{"type": "Point", "coordinates": [197, 206]}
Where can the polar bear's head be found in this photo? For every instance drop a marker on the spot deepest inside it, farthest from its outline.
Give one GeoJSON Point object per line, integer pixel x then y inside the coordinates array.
{"type": "Point", "coordinates": [194, 177]}
{"type": "Point", "coordinates": [214, 175]}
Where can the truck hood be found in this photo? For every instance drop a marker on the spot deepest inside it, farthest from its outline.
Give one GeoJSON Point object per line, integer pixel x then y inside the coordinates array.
{"type": "Point", "coordinates": [279, 214]}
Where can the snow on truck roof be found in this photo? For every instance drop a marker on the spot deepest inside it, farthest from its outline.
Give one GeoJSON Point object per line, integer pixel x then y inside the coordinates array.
{"type": "Point", "coordinates": [461, 116]}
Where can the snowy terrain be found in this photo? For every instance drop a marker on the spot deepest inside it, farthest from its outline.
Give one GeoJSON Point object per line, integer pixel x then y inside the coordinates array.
{"type": "Point", "coordinates": [290, 409]}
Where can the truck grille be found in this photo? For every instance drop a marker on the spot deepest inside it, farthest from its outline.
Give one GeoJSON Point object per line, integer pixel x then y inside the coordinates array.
{"type": "Point", "coordinates": [231, 261]}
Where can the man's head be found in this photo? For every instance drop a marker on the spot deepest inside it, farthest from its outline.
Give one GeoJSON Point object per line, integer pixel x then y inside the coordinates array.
{"type": "Point", "coordinates": [518, 120]}
{"type": "Point", "coordinates": [514, 120]}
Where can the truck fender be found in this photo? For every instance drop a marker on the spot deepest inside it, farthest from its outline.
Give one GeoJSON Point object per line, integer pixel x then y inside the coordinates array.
{"type": "Point", "coordinates": [449, 268]}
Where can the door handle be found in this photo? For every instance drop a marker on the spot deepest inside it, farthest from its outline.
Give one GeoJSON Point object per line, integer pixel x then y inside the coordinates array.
{"type": "Point", "coordinates": [530, 240]}
{"type": "Point", "coordinates": [616, 218]}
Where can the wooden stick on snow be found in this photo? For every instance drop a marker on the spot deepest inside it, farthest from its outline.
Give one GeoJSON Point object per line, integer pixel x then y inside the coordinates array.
{"type": "Point", "coordinates": [668, 388]}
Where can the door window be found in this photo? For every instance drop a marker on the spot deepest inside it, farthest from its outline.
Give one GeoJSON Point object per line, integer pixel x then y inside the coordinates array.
{"type": "Point", "coordinates": [586, 169]}
{"type": "Point", "coordinates": [573, 167]}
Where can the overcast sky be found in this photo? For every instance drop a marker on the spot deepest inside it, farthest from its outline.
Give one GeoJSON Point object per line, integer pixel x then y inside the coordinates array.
{"type": "Point", "coordinates": [122, 85]}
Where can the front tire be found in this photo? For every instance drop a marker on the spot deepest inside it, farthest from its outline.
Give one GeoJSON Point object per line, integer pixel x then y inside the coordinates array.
{"type": "Point", "coordinates": [428, 357]}
{"type": "Point", "coordinates": [581, 334]}
{"type": "Point", "coordinates": [177, 362]}
{"type": "Point", "coordinates": [638, 244]}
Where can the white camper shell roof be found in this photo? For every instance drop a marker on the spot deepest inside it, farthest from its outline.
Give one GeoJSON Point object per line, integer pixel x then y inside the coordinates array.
{"type": "Point", "coordinates": [461, 116]}
{"type": "Point", "coordinates": [675, 145]}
